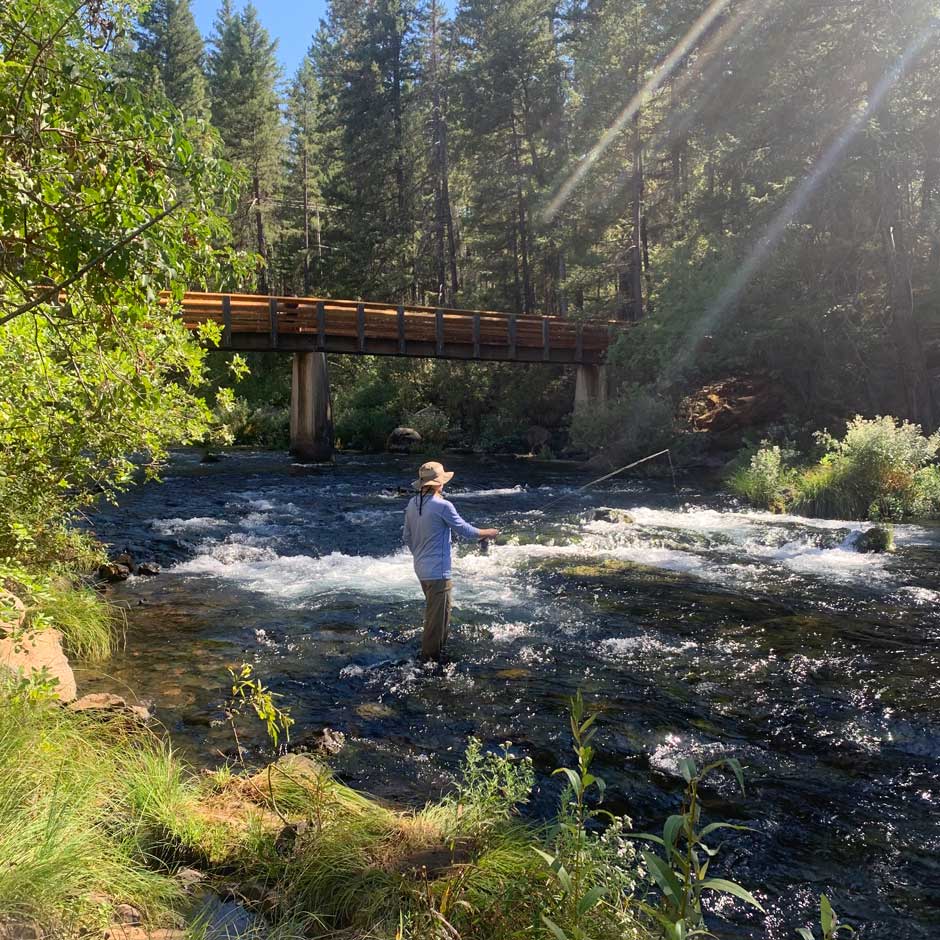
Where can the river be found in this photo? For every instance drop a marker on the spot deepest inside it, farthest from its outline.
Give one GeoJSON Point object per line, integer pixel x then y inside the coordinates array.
{"type": "Point", "coordinates": [712, 631]}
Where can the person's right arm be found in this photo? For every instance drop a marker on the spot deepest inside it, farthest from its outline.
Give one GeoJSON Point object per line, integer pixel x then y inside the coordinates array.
{"type": "Point", "coordinates": [462, 527]}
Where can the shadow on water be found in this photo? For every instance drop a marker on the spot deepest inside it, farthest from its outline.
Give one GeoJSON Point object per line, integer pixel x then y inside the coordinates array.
{"type": "Point", "coordinates": [698, 629]}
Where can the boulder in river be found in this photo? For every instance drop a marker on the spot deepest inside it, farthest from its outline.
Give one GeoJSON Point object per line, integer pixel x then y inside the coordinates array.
{"type": "Point", "coordinates": [148, 568]}
{"type": "Point", "coordinates": [112, 571]}
{"type": "Point", "coordinates": [613, 515]}
{"type": "Point", "coordinates": [403, 441]}
{"type": "Point", "coordinates": [108, 702]}
{"type": "Point", "coordinates": [876, 540]}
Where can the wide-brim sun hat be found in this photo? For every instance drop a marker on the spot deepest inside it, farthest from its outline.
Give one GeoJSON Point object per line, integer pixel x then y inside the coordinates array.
{"type": "Point", "coordinates": [432, 473]}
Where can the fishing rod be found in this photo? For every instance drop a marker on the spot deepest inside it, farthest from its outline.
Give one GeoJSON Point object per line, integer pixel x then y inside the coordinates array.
{"type": "Point", "coordinates": [484, 543]}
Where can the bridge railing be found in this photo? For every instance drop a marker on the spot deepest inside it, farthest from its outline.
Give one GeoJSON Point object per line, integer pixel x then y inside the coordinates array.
{"type": "Point", "coordinates": [254, 321]}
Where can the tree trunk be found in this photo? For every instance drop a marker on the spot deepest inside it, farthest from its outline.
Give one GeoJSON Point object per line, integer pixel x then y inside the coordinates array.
{"type": "Point", "coordinates": [528, 300]}
{"type": "Point", "coordinates": [898, 264]}
{"type": "Point", "coordinates": [263, 282]}
{"type": "Point", "coordinates": [307, 279]}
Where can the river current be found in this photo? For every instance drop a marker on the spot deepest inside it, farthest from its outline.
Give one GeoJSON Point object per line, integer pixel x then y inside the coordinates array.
{"type": "Point", "coordinates": [699, 629]}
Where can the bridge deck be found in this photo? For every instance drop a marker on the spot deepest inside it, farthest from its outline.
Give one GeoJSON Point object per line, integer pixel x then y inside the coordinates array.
{"type": "Point", "coordinates": [293, 324]}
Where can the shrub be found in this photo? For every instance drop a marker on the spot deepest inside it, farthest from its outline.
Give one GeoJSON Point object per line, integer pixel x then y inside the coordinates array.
{"type": "Point", "coordinates": [882, 469]}
{"type": "Point", "coordinates": [766, 480]}
{"type": "Point", "coordinates": [878, 470]}
{"type": "Point", "coordinates": [638, 423]}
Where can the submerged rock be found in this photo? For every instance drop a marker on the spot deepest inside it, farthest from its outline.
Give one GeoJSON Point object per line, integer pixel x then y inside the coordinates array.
{"type": "Point", "coordinates": [325, 741]}
{"type": "Point", "coordinates": [403, 441]}
{"type": "Point", "coordinates": [875, 540]}
{"type": "Point", "coordinates": [613, 515]}
{"type": "Point", "coordinates": [107, 701]}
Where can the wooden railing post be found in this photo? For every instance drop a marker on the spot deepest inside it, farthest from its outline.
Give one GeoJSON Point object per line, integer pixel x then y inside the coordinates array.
{"type": "Point", "coordinates": [439, 330]}
{"type": "Point", "coordinates": [272, 310]}
{"type": "Point", "coordinates": [402, 342]}
{"type": "Point", "coordinates": [226, 321]}
{"type": "Point", "coordinates": [361, 327]}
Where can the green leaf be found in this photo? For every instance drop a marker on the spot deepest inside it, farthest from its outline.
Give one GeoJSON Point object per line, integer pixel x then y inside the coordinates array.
{"type": "Point", "coordinates": [687, 768]}
{"type": "Point", "coordinates": [671, 831]}
{"type": "Point", "coordinates": [572, 776]}
{"type": "Point", "coordinates": [715, 826]}
{"type": "Point", "coordinates": [554, 928]}
{"type": "Point", "coordinates": [663, 875]}
{"type": "Point", "coordinates": [647, 836]}
{"type": "Point", "coordinates": [805, 933]}
{"type": "Point", "coordinates": [730, 887]}
{"type": "Point", "coordinates": [827, 916]}
{"type": "Point", "coordinates": [735, 766]}
{"type": "Point", "coordinates": [590, 899]}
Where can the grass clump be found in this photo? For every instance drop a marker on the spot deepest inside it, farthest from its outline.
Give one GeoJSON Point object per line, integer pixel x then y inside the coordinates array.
{"type": "Point", "coordinates": [881, 469]}
{"type": "Point", "coordinates": [67, 837]}
{"type": "Point", "coordinates": [87, 622]}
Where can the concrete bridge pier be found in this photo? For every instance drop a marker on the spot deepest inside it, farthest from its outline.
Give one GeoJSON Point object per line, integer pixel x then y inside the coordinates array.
{"type": "Point", "coordinates": [311, 415]}
{"type": "Point", "coordinates": [590, 386]}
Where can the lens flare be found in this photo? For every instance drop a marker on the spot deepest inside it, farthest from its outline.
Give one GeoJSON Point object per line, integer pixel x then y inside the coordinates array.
{"type": "Point", "coordinates": [777, 227]}
{"type": "Point", "coordinates": [666, 67]}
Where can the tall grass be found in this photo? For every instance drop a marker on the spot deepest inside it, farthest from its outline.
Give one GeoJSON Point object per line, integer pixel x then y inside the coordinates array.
{"type": "Point", "coordinates": [64, 836]}
{"type": "Point", "coordinates": [88, 623]}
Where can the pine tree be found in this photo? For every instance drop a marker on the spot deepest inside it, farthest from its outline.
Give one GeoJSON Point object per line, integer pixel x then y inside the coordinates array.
{"type": "Point", "coordinates": [301, 244]}
{"type": "Point", "coordinates": [366, 58]}
{"type": "Point", "coordinates": [171, 54]}
{"type": "Point", "coordinates": [510, 142]}
{"type": "Point", "coordinates": [243, 77]}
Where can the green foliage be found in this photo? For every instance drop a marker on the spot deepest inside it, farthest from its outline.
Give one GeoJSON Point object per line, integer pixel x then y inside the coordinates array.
{"type": "Point", "coordinates": [170, 56]}
{"type": "Point", "coordinates": [250, 693]}
{"type": "Point", "coordinates": [767, 480]}
{"type": "Point", "coordinates": [592, 876]}
{"type": "Point", "coordinates": [67, 833]}
{"type": "Point", "coordinates": [872, 472]}
{"type": "Point", "coordinates": [828, 922]}
{"type": "Point", "coordinates": [882, 469]}
{"type": "Point", "coordinates": [93, 389]}
{"type": "Point", "coordinates": [492, 786]}
{"type": "Point", "coordinates": [636, 423]}
{"type": "Point", "coordinates": [85, 619]}
{"type": "Point", "coordinates": [680, 866]}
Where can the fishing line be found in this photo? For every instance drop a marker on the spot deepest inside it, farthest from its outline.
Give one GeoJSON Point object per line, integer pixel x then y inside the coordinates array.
{"type": "Point", "coordinates": [484, 543]}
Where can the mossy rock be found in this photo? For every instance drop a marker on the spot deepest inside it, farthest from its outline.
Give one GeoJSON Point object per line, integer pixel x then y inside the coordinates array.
{"type": "Point", "coordinates": [876, 540]}
{"type": "Point", "coordinates": [613, 515]}
{"type": "Point", "coordinates": [611, 569]}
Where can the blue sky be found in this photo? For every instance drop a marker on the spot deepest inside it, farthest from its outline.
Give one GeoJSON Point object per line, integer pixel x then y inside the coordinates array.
{"type": "Point", "coordinates": [291, 23]}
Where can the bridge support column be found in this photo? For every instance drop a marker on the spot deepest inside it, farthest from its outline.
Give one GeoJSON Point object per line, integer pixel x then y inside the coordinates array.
{"type": "Point", "coordinates": [590, 386]}
{"type": "Point", "coordinates": [311, 415]}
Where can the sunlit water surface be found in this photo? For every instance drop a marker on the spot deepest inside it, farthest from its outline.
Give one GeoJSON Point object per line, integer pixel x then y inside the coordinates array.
{"type": "Point", "coordinates": [732, 633]}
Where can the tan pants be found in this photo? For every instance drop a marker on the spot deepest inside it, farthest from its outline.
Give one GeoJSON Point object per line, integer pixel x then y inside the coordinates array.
{"type": "Point", "coordinates": [436, 617]}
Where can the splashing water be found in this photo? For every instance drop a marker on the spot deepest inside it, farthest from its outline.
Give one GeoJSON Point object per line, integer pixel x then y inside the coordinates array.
{"type": "Point", "coordinates": [701, 630]}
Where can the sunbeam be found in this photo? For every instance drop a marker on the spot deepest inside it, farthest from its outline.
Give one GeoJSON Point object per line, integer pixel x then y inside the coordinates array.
{"type": "Point", "coordinates": [702, 69]}
{"type": "Point", "coordinates": [666, 67]}
{"type": "Point", "coordinates": [778, 226]}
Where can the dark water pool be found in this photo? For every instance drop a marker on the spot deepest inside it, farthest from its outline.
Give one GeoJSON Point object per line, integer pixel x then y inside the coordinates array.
{"type": "Point", "coordinates": [711, 631]}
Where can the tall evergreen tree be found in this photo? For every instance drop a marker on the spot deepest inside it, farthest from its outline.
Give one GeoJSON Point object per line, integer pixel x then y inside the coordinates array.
{"type": "Point", "coordinates": [243, 77]}
{"type": "Point", "coordinates": [171, 53]}
{"type": "Point", "coordinates": [366, 58]}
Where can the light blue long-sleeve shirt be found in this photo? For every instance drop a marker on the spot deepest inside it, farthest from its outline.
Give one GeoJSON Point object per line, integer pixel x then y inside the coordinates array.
{"type": "Point", "coordinates": [427, 534]}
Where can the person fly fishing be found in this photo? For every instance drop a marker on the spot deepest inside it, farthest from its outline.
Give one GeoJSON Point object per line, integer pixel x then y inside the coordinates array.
{"type": "Point", "coordinates": [429, 521]}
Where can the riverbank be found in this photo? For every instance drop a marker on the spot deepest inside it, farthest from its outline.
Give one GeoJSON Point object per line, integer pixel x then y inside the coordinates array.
{"type": "Point", "coordinates": [104, 832]}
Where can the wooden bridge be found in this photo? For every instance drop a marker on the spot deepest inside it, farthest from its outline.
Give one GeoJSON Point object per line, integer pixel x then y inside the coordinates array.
{"type": "Point", "coordinates": [310, 324]}
{"type": "Point", "coordinates": [310, 327]}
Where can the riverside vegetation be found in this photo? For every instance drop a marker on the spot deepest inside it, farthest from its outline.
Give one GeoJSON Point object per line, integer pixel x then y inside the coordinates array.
{"type": "Point", "coordinates": [99, 812]}
{"type": "Point", "coordinates": [881, 470]}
